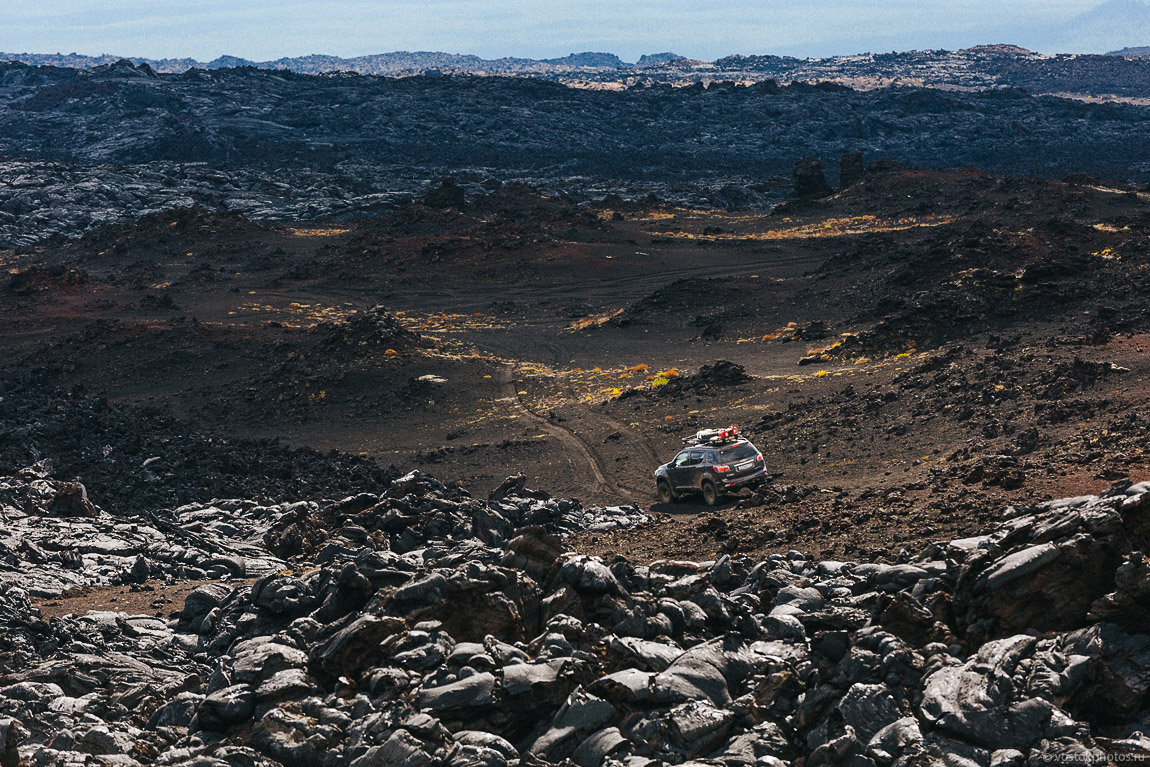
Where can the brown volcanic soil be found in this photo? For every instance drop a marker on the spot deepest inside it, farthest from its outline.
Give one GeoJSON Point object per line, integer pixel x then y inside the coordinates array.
{"type": "Point", "coordinates": [996, 349]}
{"type": "Point", "coordinates": [153, 597]}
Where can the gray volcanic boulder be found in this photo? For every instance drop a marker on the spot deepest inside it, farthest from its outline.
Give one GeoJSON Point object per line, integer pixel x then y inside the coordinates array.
{"type": "Point", "coordinates": [485, 600]}
{"type": "Point", "coordinates": [356, 646]}
{"type": "Point", "coordinates": [1129, 604]}
{"type": "Point", "coordinates": [224, 708]}
{"type": "Point", "coordinates": [1048, 569]}
{"type": "Point", "coordinates": [1114, 683]}
{"type": "Point", "coordinates": [471, 692]}
{"type": "Point", "coordinates": [976, 701]}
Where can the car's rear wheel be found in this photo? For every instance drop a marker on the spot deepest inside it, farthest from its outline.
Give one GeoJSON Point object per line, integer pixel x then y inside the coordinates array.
{"type": "Point", "coordinates": [710, 493]}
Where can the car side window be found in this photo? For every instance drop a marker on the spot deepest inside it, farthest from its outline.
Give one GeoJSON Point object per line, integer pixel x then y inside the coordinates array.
{"type": "Point", "coordinates": [696, 458]}
{"type": "Point", "coordinates": [681, 459]}
{"type": "Point", "coordinates": [709, 457]}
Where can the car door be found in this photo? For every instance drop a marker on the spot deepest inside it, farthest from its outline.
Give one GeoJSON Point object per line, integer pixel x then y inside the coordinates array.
{"type": "Point", "coordinates": [678, 472]}
{"type": "Point", "coordinates": [693, 470]}
{"type": "Point", "coordinates": [708, 462]}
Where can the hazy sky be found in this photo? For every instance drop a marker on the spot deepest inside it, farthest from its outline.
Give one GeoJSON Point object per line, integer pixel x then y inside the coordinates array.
{"type": "Point", "coordinates": [705, 29]}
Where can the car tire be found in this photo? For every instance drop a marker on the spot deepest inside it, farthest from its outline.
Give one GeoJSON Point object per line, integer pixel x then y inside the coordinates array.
{"type": "Point", "coordinates": [666, 493]}
{"type": "Point", "coordinates": [710, 493]}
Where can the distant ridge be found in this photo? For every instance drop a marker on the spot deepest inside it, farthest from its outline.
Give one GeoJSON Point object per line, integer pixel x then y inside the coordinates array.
{"type": "Point", "coordinates": [981, 67]}
{"type": "Point", "coordinates": [398, 62]}
{"type": "Point", "coordinates": [658, 59]}
{"type": "Point", "coordinates": [1143, 50]}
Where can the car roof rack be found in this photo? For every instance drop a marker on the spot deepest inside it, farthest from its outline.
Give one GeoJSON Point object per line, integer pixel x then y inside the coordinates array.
{"type": "Point", "coordinates": [705, 437]}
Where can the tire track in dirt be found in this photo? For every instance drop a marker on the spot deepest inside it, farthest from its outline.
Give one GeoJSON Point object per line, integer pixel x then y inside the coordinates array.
{"type": "Point", "coordinates": [632, 436]}
{"type": "Point", "coordinates": [577, 452]}
{"type": "Point", "coordinates": [628, 433]}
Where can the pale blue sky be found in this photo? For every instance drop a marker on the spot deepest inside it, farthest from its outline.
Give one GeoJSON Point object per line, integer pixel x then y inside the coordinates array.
{"type": "Point", "coordinates": [706, 29]}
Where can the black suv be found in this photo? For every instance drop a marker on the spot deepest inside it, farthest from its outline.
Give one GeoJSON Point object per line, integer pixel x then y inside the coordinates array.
{"type": "Point", "coordinates": [713, 462]}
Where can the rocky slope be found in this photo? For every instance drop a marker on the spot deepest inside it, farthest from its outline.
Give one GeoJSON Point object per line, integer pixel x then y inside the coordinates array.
{"type": "Point", "coordinates": [422, 626]}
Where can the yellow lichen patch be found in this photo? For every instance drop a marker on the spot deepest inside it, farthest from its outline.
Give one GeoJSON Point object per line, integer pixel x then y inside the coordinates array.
{"type": "Point", "coordinates": [786, 331]}
{"type": "Point", "coordinates": [663, 377]}
{"type": "Point", "coordinates": [534, 370]}
{"type": "Point", "coordinates": [821, 374]}
{"type": "Point", "coordinates": [317, 231]}
{"type": "Point", "coordinates": [305, 315]}
{"type": "Point", "coordinates": [309, 315]}
{"type": "Point", "coordinates": [823, 349]}
{"type": "Point", "coordinates": [443, 322]}
{"type": "Point", "coordinates": [831, 227]}
{"type": "Point", "coordinates": [594, 320]}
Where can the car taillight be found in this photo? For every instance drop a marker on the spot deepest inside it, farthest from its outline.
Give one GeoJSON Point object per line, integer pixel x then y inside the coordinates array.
{"type": "Point", "coordinates": [721, 469]}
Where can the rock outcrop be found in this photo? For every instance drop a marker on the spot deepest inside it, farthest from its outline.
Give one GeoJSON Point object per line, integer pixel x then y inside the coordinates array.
{"type": "Point", "coordinates": [810, 183]}
{"type": "Point", "coordinates": [851, 169]}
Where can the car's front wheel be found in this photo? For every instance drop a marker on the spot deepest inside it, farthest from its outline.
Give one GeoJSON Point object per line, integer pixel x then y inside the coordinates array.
{"type": "Point", "coordinates": [666, 494]}
{"type": "Point", "coordinates": [710, 493]}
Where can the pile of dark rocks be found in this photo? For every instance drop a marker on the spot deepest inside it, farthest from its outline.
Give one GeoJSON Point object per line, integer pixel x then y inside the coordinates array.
{"type": "Point", "coordinates": [431, 628]}
{"type": "Point", "coordinates": [375, 327]}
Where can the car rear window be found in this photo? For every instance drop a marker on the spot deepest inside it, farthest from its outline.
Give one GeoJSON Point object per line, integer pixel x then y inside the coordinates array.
{"type": "Point", "coordinates": [738, 453]}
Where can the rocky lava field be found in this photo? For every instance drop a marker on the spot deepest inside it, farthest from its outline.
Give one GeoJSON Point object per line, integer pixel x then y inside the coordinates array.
{"type": "Point", "coordinates": [307, 462]}
{"type": "Point", "coordinates": [211, 557]}
{"type": "Point", "coordinates": [431, 627]}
